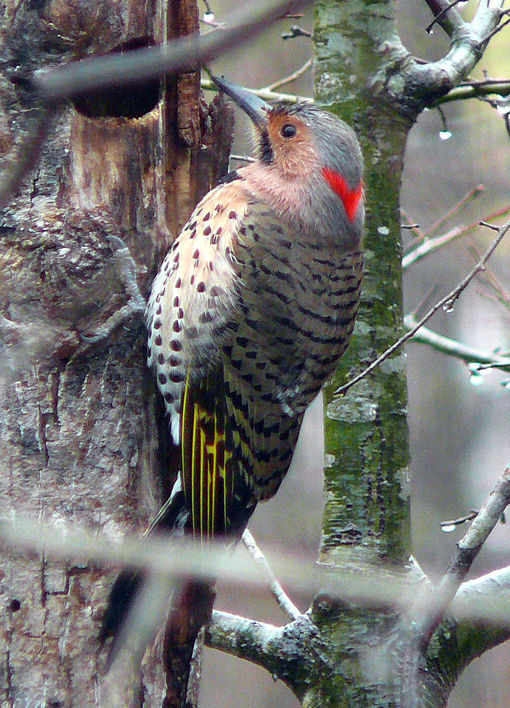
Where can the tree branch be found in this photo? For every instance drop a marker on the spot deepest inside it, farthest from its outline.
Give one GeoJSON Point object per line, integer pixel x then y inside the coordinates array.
{"type": "Point", "coordinates": [241, 637]}
{"type": "Point", "coordinates": [477, 89]}
{"type": "Point", "coordinates": [94, 74]}
{"type": "Point", "coordinates": [279, 650]}
{"type": "Point", "coordinates": [432, 610]}
{"type": "Point", "coordinates": [447, 302]}
{"type": "Point", "coordinates": [485, 598]}
{"type": "Point", "coordinates": [281, 597]}
{"type": "Point", "coordinates": [427, 83]}
{"type": "Point", "coordinates": [452, 347]}
{"type": "Point", "coordinates": [445, 15]}
{"type": "Point", "coordinates": [267, 94]}
{"type": "Point", "coordinates": [467, 550]}
{"type": "Point", "coordinates": [430, 245]}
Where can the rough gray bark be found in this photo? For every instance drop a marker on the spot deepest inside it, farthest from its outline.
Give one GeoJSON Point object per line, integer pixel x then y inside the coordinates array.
{"type": "Point", "coordinates": [79, 435]}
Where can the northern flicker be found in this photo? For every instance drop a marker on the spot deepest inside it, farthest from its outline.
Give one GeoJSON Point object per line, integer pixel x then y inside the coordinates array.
{"type": "Point", "coordinates": [251, 310]}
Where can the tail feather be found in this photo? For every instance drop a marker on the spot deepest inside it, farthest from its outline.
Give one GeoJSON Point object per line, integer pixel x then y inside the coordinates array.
{"type": "Point", "coordinates": [171, 518]}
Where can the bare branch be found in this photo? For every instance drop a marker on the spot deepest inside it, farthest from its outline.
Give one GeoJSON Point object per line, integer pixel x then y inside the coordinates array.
{"type": "Point", "coordinates": [281, 597]}
{"type": "Point", "coordinates": [431, 610]}
{"type": "Point", "coordinates": [466, 199]}
{"type": "Point", "coordinates": [447, 302]}
{"type": "Point", "coordinates": [460, 521]}
{"type": "Point", "coordinates": [486, 598]}
{"type": "Point", "coordinates": [240, 636]}
{"type": "Point", "coordinates": [94, 74]}
{"type": "Point", "coordinates": [477, 89]}
{"type": "Point", "coordinates": [452, 347]}
{"type": "Point", "coordinates": [430, 245]}
{"type": "Point", "coordinates": [296, 31]}
{"type": "Point", "coordinates": [494, 31]}
{"type": "Point", "coordinates": [467, 550]}
{"type": "Point", "coordinates": [434, 80]}
{"type": "Point", "coordinates": [179, 559]}
{"type": "Point", "coordinates": [265, 93]}
{"type": "Point", "coordinates": [440, 9]}
{"type": "Point", "coordinates": [291, 77]}
{"type": "Point", "coordinates": [273, 648]}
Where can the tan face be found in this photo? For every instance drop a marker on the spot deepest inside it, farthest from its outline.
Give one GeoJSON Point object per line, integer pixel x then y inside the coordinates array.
{"type": "Point", "coordinates": [292, 144]}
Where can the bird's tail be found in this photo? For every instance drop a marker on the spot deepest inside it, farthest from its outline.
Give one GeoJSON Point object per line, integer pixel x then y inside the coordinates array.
{"type": "Point", "coordinates": [128, 585]}
{"type": "Point", "coordinates": [133, 612]}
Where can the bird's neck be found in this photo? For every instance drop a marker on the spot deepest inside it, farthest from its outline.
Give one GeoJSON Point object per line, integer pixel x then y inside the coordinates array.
{"type": "Point", "coordinates": [306, 201]}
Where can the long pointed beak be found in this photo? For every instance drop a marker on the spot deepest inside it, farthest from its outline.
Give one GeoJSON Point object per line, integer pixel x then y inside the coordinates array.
{"type": "Point", "coordinates": [252, 105]}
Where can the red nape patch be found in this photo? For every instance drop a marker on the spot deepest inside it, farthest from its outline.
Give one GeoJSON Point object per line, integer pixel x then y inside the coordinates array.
{"type": "Point", "coordinates": [350, 197]}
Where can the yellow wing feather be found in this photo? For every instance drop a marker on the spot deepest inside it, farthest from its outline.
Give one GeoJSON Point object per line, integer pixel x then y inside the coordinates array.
{"type": "Point", "coordinates": [206, 462]}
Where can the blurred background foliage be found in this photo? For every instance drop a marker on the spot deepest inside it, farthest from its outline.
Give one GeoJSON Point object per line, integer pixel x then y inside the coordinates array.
{"type": "Point", "coordinates": [460, 438]}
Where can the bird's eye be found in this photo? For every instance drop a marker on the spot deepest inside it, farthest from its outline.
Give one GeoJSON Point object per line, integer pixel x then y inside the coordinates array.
{"type": "Point", "coordinates": [288, 130]}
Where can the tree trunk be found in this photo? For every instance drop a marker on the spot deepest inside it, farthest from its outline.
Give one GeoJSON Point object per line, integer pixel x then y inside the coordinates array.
{"type": "Point", "coordinates": [366, 521]}
{"type": "Point", "coordinates": [80, 428]}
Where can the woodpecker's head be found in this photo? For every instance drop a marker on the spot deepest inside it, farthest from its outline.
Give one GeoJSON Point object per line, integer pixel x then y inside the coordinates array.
{"type": "Point", "coordinates": [312, 157]}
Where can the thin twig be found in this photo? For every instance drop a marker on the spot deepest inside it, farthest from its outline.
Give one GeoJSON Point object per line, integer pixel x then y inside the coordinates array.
{"type": "Point", "coordinates": [467, 550]}
{"type": "Point", "coordinates": [97, 73]}
{"type": "Point", "coordinates": [452, 347]}
{"type": "Point", "coordinates": [441, 14]}
{"type": "Point", "coordinates": [296, 31]}
{"type": "Point", "coordinates": [497, 29]}
{"type": "Point", "coordinates": [291, 77]}
{"type": "Point", "coordinates": [279, 594]}
{"type": "Point", "coordinates": [447, 302]}
{"type": "Point", "coordinates": [415, 228]}
{"type": "Point", "coordinates": [498, 291]}
{"type": "Point", "coordinates": [468, 197]}
{"type": "Point", "coordinates": [241, 158]}
{"type": "Point", "coordinates": [445, 525]}
{"type": "Point", "coordinates": [476, 90]}
{"type": "Point", "coordinates": [445, 15]}
{"type": "Point", "coordinates": [265, 94]}
{"type": "Point", "coordinates": [430, 245]}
